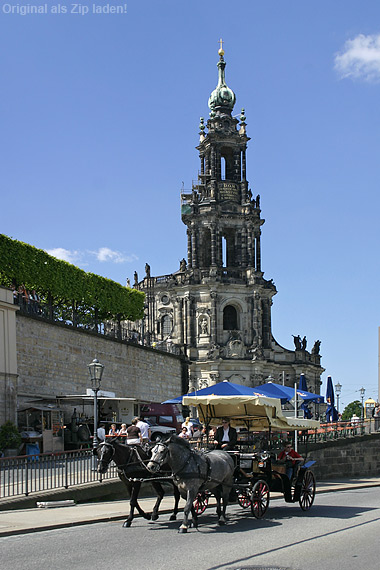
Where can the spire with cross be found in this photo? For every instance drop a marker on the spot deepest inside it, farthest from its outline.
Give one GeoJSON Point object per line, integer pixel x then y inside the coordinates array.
{"type": "Point", "coordinates": [221, 50]}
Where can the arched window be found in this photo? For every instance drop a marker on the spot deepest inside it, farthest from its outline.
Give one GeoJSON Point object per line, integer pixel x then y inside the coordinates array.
{"type": "Point", "coordinates": [166, 326]}
{"type": "Point", "coordinates": [230, 318]}
{"type": "Point", "coordinates": [222, 168]}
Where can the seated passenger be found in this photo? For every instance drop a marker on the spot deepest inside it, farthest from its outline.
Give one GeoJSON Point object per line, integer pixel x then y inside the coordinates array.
{"type": "Point", "coordinates": [183, 433]}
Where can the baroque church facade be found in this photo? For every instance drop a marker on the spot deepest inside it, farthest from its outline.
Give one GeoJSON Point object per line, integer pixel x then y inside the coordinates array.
{"type": "Point", "coordinates": [217, 307]}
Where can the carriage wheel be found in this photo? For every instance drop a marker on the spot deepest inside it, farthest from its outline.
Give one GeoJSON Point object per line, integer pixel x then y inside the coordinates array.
{"type": "Point", "coordinates": [260, 499]}
{"type": "Point", "coordinates": [307, 492]}
{"type": "Point", "coordinates": [200, 503]}
{"type": "Point", "coordinates": [243, 499]}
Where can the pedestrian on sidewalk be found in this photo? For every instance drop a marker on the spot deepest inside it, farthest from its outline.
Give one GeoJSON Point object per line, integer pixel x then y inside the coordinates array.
{"type": "Point", "coordinates": [144, 428]}
{"type": "Point", "coordinates": [134, 433]}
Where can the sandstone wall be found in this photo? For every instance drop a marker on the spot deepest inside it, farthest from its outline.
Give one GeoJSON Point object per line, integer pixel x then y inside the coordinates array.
{"type": "Point", "coordinates": [355, 457]}
{"type": "Point", "coordinates": [52, 360]}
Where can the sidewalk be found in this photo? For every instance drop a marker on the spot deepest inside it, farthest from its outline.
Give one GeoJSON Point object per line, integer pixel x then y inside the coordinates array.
{"type": "Point", "coordinates": [36, 519]}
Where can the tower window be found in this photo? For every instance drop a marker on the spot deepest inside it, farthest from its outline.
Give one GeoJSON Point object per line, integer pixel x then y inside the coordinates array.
{"type": "Point", "coordinates": [230, 318]}
{"type": "Point", "coordinates": [222, 168]}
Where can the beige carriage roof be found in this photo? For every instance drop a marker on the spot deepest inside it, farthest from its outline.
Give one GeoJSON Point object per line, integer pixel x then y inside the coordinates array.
{"type": "Point", "coordinates": [256, 412]}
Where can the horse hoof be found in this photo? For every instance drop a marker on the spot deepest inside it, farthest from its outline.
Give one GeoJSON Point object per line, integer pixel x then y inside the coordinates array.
{"type": "Point", "coordinates": [182, 530]}
{"type": "Point", "coordinates": [221, 523]}
{"type": "Point", "coordinates": [127, 524]}
{"type": "Point", "coordinates": [173, 518]}
{"type": "Point", "coordinates": [154, 517]}
{"type": "Point", "coordinates": [147, 517]}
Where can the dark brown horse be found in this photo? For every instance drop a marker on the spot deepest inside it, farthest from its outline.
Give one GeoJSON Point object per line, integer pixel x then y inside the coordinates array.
{"type": "Point", "coordinates": [131, 462]}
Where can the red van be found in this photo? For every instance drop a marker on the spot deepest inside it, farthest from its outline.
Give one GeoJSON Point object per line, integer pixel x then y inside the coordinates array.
{"type": "Point", "coordinates": [168, 415]}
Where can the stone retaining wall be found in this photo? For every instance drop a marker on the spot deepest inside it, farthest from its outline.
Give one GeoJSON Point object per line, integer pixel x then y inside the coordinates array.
{"type": "Point", "coordinates": [355, 457]}
{"type": "Point", "coordinates": [52, 360]}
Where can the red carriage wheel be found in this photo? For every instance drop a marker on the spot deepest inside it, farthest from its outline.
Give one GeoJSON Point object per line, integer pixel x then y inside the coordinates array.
{"type": "Point", "coordinates": [201, 502]}
{"type": "Point", "coordinates": [260, 499]}
{"type": "Point", "coordinates": [243, 499]}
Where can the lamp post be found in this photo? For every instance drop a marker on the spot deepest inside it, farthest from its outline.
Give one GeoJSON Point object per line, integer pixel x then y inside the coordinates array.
{"type": "Point", "coordinates": [338, 389]}
{"type": "Point", "coordinates": [362, 392]}
{"type": "Point", "coordinates": [96, 372]}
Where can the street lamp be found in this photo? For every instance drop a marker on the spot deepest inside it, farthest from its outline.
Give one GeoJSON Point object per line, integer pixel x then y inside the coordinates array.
{"type": "Point", "coordinates": [338, 389]}
{"type": "Point", "coordinates": [96, 372]}
{"type": "Point", "coordinates": [362, 392]}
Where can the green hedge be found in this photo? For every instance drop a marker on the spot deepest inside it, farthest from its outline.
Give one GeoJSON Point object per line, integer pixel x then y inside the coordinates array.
{"type": "Point", "coordinates": [21, 263]}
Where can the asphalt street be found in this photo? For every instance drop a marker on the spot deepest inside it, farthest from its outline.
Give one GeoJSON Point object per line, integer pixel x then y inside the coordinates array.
{"type": "Point", "coordinates": [341, 529]}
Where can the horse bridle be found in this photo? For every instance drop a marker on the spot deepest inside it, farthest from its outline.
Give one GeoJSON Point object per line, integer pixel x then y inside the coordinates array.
{"type": "Point", "coordinates": [163, 459]}
{"type": "Point", "coordinates": [123, 465]}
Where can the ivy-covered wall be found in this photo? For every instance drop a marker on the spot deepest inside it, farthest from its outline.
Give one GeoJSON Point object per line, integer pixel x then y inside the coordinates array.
{"type": "Point", "coordinates": [65, 284]}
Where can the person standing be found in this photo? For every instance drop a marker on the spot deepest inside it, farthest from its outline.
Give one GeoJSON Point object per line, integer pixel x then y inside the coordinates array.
{"type": "Point", "coordinates": [101, 433]}
{"type": "Point", "coordinates": [189, 426]}
{"type": "Point", "coordinates": [225, 436]}
{"type": "Point", "coordinates": [376, 415]}
{"type": "Point", "coordinates": [134, 433]}
{"type": "Point", "coordinates": [144, 428]}
{"type": "Point", "coordinates": [184, 433]}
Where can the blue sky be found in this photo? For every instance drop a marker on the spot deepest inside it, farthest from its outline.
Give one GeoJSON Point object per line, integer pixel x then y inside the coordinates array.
{"type": "Point", "coordinates": [99, 120]}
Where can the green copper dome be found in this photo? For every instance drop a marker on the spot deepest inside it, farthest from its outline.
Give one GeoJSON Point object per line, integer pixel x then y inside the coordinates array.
{"type": "Point", "coordinates": [222, 96]}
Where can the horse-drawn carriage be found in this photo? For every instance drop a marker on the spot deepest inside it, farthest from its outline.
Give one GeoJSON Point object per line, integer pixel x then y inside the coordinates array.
{"type": "Point", "coordinates": [257, 474]}
{"type": "Point", "coordinates": [249, 475]}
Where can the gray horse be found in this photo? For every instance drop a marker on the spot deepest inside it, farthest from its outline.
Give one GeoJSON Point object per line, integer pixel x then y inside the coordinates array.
{"type": "Point", "coordinates": [194, 471]}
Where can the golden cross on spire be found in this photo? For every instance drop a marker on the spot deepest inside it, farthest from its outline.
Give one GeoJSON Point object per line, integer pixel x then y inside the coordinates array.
{"type": "Point", "coordinates": [221, 50]}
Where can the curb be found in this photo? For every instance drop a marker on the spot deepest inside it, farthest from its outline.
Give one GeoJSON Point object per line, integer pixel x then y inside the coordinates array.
{"type": "Point", "coordinates": [110, 518]}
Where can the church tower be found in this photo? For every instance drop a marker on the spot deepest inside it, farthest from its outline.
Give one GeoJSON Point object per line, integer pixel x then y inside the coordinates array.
{"type": "Point", "coordinates": [217, 307]}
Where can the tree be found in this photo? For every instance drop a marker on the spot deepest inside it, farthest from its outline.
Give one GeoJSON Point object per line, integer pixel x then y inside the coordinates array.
{"type": "Point", "coordinates": [9, 436]}
{"type": "Point", "coordinates": [351, 409]}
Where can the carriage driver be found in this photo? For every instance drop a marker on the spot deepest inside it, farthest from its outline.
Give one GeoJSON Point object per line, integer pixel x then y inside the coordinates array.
{"type": "Point", "coordinates": [289, 456]}
{"type": "Point", "coordinates": [226, 436]}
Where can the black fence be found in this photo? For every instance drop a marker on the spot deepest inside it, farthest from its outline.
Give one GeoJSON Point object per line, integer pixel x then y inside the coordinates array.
{"type": "Point", "coordinates": [87, 319]}
{"type": "Point", "coordinates": [47, 471]}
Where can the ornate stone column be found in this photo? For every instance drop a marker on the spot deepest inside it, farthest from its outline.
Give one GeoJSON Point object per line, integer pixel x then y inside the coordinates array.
{"type": "Point", "coordinates": [189, 249]}
{"type": "Point", "coordinates": [244, 167]}
{"type": "Point", "coordinates": [244, 246]}
{"type": "Point", "coordinates": [179, 320]}
{"type": "Point", "coordinates": [213, 244]}
{"type": "Point", "coordinates": [214, 323]}
{"type": "Point", "coordinates": [258, 252]}
{"type": "Point", "coordinates": [194, 247]}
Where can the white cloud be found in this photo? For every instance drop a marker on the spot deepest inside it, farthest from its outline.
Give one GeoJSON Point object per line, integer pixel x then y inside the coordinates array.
{"type": "Point", "coordinates": [65, 254]}
{"type": "Point", "coordinates": [107, 254]}
{"type": "Point", "coordinates": [360, 58]}
{"type": "Point", "coordinates": [103, 254]}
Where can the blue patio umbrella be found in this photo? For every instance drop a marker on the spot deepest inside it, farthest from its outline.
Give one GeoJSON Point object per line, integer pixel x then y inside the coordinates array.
{"type": "Point", "coordinates": [224, 388]}
{"type": "Point", "coordinates": [270, 390]}
{"type": "Point", "coordinates": [285, 393]}
{"type": "Point", "coordinates": [302, 383]}
{"type": "Point", "coordinates": [331, 412]}
{"type": "Point", "coordinates": [303, 387]}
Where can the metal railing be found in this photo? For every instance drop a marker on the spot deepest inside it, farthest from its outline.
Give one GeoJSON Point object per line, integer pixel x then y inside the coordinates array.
{"type": "Point", "coordinates": [339, 430]}
{"type": "Point", "coordinates": [47, 471]}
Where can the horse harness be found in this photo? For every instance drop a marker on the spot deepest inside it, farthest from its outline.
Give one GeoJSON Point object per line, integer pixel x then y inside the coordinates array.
{"type": "Point", "coordinates": [121, 468]}
{"type": "Point", "coordinates": [177, 476]}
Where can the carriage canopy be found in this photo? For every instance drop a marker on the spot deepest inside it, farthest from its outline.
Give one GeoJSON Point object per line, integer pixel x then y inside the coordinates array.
{"type": "Point", "coordinates": [257, 413]}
